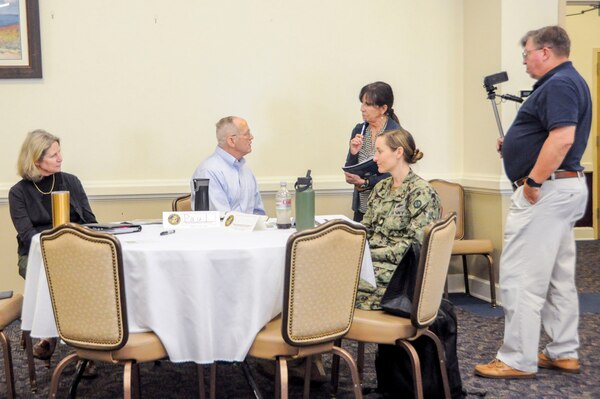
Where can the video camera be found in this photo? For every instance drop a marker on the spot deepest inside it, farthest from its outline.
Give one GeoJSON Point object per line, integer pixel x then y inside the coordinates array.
{"type": "Point", "coordinates": [488, 83]}
{"type": "Point", "coordinates": [491, 80]}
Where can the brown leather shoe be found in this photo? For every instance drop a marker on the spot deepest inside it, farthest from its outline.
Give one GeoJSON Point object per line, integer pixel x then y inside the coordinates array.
{"type": "Point", "coordinates": [44, 349]}
{"type": "Point", "coordinates": [498, 369]}
{"type": "Point", "coordinates": [568, 365]}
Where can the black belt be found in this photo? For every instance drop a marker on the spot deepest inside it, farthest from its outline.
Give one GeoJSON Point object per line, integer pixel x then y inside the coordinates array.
{"type": "Point", "coordinates": [559, 174]}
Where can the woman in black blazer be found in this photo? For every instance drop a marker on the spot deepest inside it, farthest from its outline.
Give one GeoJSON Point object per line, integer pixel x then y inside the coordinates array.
{"type": "Point", "coordinates": [30, 201]}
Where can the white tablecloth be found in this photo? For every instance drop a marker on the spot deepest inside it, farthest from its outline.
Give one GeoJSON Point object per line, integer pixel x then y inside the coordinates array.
{"type": "Point", "coordinates": [204, 292]}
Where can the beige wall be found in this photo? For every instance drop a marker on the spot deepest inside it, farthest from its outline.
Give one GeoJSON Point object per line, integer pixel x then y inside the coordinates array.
{"type": "Point", "coordinates": [134, 89]}
{"type": "Point", "coordinates": [584, 31]}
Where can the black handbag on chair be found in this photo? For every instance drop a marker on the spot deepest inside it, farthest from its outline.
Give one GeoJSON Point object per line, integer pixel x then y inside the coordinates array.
{"type": "Point", "coordinates": [392, 365]}
{"type": "Point", "coordinates": [398, 295]}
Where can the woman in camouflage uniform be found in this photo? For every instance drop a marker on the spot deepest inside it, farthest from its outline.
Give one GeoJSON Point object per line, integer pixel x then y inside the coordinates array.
{"type": "Point", "coordinates": [398, 210]}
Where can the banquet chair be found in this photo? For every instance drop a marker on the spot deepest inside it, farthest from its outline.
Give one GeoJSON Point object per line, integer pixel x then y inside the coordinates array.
{"type": "Point", "coordinates": [10, 310]}
{"type": "Point", "coordinates": [182, 204]}
{"type": "Point", "coordinates": [378, 327]}
{"type": "Point", "coordinates": [452, 196]}
{"type": "Point", "coordinates": [322, 270]}
{"type": "Point", "coordinates": [84, 270]}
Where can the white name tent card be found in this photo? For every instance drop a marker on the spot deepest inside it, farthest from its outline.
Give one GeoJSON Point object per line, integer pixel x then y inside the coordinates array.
{"type": "Point", "coordinates": [244, 221]}
{"type": "Point", "coordinates": [191, 220]}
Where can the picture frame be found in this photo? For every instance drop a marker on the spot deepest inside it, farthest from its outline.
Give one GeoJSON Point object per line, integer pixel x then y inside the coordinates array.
{"type": "Point", "coordinates": [32, 67]}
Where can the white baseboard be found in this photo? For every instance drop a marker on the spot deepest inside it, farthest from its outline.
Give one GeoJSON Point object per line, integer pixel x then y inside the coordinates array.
{"type": "Point", "coordinates": [584, 233]}
{"type": "Point", "coordinates": [478, 287]}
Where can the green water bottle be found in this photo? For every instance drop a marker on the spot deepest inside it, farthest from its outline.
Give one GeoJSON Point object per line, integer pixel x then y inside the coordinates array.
{"type": "Point", "coordinates": [305, 203]}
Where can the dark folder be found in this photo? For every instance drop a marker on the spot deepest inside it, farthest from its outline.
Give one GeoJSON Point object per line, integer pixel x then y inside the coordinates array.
{"type": "Point", "coordinates": [114, 228]}
{"type": "Point", "coordinates": [364, 169]}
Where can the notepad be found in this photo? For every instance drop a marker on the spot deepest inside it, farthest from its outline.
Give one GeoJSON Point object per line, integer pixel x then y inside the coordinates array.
{"type": "Point", "coordinates": [364, 169]}
{"type": "Point", "coordinates": [114, 228]}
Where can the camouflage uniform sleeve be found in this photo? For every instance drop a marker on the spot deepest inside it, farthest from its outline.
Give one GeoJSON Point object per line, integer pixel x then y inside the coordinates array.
{"type": "Point", "coordinates": [368, 217]}
{"type": "Point", "coordinates": [423, 207]}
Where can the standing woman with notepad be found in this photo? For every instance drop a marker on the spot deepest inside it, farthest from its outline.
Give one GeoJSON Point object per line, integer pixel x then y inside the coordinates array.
{"type": "Point", "coordinates": [377, 100]}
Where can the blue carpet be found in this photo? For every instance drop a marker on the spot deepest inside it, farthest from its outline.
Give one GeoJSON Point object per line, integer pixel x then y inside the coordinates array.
{"type": "Point", "coordinates": [588, 303]}
{"type": "Point", "coordinates": [475, 305]}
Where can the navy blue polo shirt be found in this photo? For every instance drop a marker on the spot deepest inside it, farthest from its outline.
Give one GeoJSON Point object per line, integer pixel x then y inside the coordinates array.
{"type": "Point", "coordinates": [560, 98]}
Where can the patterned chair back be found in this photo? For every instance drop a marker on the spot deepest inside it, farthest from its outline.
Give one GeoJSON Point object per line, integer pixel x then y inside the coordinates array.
{"type": "Point", "coordinates": [452, 196]}
{"type": "Point", "coordinates": [85, 278]}
{"type": "Point", "coordinates": [434, 262]}
{"type": "Point", "coordinates": [321, 278]}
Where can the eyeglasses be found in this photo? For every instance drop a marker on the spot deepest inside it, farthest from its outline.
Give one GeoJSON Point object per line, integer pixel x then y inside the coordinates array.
{"type": "Point", "coordinates": [244, 135]}
{"type": "Point", "coordinates": [525, 53]}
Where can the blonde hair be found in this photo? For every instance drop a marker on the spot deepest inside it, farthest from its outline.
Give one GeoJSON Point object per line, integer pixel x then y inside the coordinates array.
{"type": "Point", "coordinates": [33, 150]}
{"type": "Point", "coordinates": [402, 138]}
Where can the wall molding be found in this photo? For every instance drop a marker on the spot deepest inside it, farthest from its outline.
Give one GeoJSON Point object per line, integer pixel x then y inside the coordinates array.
{"type": "Point", "coordinates": [323, 185]}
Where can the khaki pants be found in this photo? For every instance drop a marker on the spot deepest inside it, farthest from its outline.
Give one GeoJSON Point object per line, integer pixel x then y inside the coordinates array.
{"type": "Point", "coordinates": [537, 273]}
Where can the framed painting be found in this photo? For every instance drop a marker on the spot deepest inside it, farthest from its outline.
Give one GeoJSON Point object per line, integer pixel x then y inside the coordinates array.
{"type": "Point", "coordinates": [20, 49]}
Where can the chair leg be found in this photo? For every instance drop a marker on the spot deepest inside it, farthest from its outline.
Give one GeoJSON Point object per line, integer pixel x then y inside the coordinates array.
{"type": "Point", "coordinates": [466, 274]}
{"type": "Point", "coordinates": [356, 381]}
{"type": "Point", "coordinates": [307, 371]}
{"type": "Point", "coordinates": [28, 346]}
{"type": "Point", "coordinates": [281, 379]}
{"type": "Point", "coordinates": [201, 387]}
{"type": "Point", "coordinates": [137, 383]}
{"type": "Point", "coordinates": [58, 371]}
{"type": "Point", "coordinates": [416, 366]}
{"type": "Point", "coordinates": [8, 365]}
{"type": "Point", "coordinates": [250, 380]}
{"type": "Point", "coordinates": [335, 369]}
{"type": "Point", "coordinates": [129, 380]}
{"type": "Point", "coordinates": [360, 359]}
{"type": "Point", "coordinates": [492, 279]}
{"type": "Point", "coordinates": [442, 359]}
{"type": "Point", "coordinates": [77, 380]}
{"type": "Point", "coordinates": [213, 381]}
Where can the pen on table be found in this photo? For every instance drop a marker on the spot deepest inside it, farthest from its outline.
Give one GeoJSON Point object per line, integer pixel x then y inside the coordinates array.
{"type": "Point", "coordinates": [167, 232]}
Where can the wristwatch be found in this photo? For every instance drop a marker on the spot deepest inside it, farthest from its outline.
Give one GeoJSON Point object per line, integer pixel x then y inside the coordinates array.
{"type": "Point", "coordinates": [365, 184]}
{"type": "Point", "coordinates": [532, 183]}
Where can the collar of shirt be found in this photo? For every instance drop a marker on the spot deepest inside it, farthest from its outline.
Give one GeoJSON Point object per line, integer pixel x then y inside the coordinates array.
{"type": "Point", "coordinates": [230, 159]}
{"type": "Point", "coordinates": [383, 189]}
{"type": "Point", "coordinates": [552, 72]}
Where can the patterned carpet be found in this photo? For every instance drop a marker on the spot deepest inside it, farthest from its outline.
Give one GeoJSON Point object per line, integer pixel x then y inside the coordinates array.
{"type": "Point", "coordinates": [478, 339]}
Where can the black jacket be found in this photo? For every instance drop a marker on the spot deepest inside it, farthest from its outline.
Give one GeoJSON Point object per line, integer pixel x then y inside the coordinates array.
{"type": "Point", "coordinates": [31, 217]}
{"type": "Point", "coordinates": [353, 160]}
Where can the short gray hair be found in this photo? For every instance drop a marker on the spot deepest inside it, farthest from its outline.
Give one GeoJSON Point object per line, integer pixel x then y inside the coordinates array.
{"type": "Point", "coordinates": [225, 128]}
{"type": "Point", "coordinates": [550, 36]}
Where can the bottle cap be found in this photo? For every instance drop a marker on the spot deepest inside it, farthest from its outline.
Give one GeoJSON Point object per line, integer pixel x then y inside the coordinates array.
{"type": "Point", "coordinates": [304, 182]}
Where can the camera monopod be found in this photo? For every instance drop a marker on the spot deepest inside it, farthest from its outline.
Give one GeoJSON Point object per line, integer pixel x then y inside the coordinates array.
{"type": "Point", "coordinates": [488, 83]}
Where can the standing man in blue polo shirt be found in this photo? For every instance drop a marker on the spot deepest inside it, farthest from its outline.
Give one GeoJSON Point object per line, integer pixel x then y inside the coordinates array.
{"type": "Point", "coordinates": [232, 185]}
{"type": "Point", "coordinates": [542, 152]}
